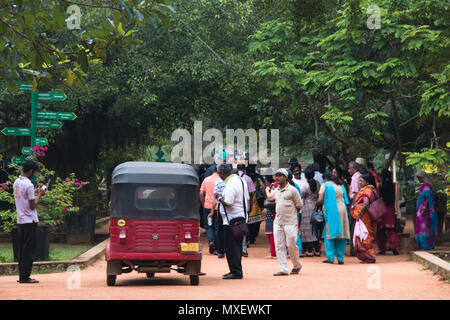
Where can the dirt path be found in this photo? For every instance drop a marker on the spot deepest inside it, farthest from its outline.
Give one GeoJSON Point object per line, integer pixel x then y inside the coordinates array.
{"type": "Point", "coordinates": [400, 279]}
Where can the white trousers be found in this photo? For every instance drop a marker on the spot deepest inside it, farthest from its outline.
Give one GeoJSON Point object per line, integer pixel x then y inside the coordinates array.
{"type": "Point", "coordinates": [286, 236]}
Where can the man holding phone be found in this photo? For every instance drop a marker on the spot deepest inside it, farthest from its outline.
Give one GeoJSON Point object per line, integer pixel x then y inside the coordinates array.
{"type": "Point", "coordinates": [26, 202]}
{"type": "Point", "coordinates": [285, 227]}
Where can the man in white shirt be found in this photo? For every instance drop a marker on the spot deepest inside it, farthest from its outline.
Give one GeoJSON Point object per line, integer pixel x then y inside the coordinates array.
{"type": "Point", "coordinates": [298, 176]}
{"type": "Point", "coordinates": [233, 205]}
{"type": "Point", "coordinates": [27, 219]}
{"type": "Point", "coordinates": [317, 174]}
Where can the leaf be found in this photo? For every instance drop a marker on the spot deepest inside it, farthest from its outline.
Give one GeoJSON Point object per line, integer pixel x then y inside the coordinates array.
{"type": "Point", "coordinates": [120, 29]}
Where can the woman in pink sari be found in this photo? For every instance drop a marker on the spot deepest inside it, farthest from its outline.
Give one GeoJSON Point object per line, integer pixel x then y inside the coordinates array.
{"type": "Point", "coordinates": [387, 238]}
{"type": "Point", "coordinates": [426, 217]}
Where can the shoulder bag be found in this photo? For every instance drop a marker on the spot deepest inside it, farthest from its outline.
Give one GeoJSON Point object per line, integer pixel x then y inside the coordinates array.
{"type": "Point", "coordinates": [238, 226]}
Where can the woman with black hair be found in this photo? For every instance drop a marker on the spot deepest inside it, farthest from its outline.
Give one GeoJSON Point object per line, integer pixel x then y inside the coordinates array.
{"type": "Point", "coordinates": [270, 217]}
{"type": "Point", "coordinates": [309, 193]}
{"type": "Point", "coordinates": [341, 175]}
{"type": "Point", "coordinates": [387, 238]}
{"type": "Point", "coordinates": [336, 232]}
{"type": "Point", "coordinates": [365, 249]}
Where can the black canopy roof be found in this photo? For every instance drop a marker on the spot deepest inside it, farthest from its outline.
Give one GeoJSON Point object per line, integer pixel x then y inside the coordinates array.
{"type": "Point", "coordinates": [155, 172]}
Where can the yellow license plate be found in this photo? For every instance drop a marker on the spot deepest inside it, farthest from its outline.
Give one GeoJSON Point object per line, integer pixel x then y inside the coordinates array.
{"type": "Point", "coordinates": [189, 246]}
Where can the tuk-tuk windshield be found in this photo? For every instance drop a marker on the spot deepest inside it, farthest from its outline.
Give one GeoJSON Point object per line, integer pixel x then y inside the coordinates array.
{"type": "Point", "coordinates": [156, 198]}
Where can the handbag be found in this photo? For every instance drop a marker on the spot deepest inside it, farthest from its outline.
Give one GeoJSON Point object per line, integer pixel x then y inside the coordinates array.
{"type": "Point", "coordinates": [317, 217]}
{"type": "Point", "coordinates": [377, 209]}
{"type": "Point", "coordinates": [269, 204]}
{"type": "Point", "coordinates": [238, 226]}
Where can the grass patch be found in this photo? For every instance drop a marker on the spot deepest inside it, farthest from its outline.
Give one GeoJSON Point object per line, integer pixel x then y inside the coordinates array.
{"type": "Point", "coordinates": [58, 252]}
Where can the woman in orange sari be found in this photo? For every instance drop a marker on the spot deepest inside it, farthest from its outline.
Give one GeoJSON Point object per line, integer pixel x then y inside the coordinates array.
{"type": "Point", "coordinates": [365, 249]}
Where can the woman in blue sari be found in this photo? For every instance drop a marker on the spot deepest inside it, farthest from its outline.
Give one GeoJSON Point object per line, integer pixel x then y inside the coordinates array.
{"type": "Point", "coordinates": [336, 232]}
{"type": "Point", "coordinates": [426, 217]}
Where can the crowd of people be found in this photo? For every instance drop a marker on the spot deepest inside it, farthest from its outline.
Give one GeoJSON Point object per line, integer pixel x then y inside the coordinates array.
{"type": "Point", "coordinates": [304, 209]}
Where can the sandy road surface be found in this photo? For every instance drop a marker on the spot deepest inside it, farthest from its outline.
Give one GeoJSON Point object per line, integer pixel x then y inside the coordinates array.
{"type": "Point", "coordinates": [400, 279]}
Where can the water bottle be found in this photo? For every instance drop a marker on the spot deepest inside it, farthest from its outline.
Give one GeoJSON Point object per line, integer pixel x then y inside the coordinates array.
{"type": "Point", "coordinates": [209, 221]}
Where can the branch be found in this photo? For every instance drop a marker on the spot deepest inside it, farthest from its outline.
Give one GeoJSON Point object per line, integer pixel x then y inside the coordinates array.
{"type": "Point", "coordinates": [203, 42]}
{"type": "Point", "coordinates": [91, 5]}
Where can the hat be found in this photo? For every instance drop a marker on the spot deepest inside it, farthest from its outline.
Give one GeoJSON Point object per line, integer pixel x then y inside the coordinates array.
{"type": "Point", "coordinates": [283, 172]}
{"type": "Point", "coordinates": [361, 161]}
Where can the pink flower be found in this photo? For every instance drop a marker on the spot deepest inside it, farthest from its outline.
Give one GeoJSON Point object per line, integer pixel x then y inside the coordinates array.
{"type": "Point", "coordinates": [58, 197]}
{"type": "Point", "coordinates": [4, 186]}
{"type": "Point", "coordinates": [65, 208]}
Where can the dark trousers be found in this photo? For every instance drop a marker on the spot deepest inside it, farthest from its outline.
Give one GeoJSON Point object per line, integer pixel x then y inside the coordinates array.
{"type": "Point", "coordinates": [233, 251]}
{"type": "Point", "coordinates": [310, 246]}
{"type": "Point", "coordinates": [219, 240]}
{"type": "Point", "coordinates": [352, 229]}
{"type": "Point", "coordinates": [27, 248]}
{"type": "Point", "coordinates": [209, 229]}
{"type": "Point", "coordinates": [253, 231]}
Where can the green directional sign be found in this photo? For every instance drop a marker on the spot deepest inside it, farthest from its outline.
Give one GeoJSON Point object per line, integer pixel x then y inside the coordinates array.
{"type": "Point", "coordinates": [48, 124]}
{"type": "Point", "coordinates": [23, 86]}
{"type": "Point", "coordinates": [53, 115]}
{"type": "Point", "coordinates": [51, 96]}
{"type": "Point", "coordinates": [11, 131]}
{"type": "Point", "coordinates": [41, 141]}
{"type": "Point", "coordinates": [27, 151]}
{"type": "Point", "coordinates": [19, 159]}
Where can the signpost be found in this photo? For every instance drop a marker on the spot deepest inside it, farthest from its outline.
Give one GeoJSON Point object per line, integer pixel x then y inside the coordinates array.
{"type": "Point", "coordinates": [27, 151]}
{"type": "Point", "coordinates": [11, 131]}
{"type": "Point", "coordinates": [45, 116]}
{"type": "Point", "coordinates": [52, 115]}
{"type": "Point", "coordinates": [51, 96]}
{"type": "Point", "coordinates": [48, 124]}
{"type": "Point", "coordinates": [19, 160]}
{"type": "Point", "coordinates": [24, 87]}
{"type": "Point", "coordinates": [41, 141]}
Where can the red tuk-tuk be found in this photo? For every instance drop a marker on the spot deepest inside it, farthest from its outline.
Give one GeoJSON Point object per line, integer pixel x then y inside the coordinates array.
{"type": "Point", "coordinates": [154, 220]}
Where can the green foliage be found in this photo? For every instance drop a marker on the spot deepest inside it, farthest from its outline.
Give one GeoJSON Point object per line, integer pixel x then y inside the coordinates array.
{"type": "Point", "coordinates": [54, 204]}
{"type": "Point", "coordinates": [429, 158]}
{"type": "Point", "coordinates": [35, 39]}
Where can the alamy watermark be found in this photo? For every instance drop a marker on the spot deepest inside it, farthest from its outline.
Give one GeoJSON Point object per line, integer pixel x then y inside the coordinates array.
{"type": "Point", "coordinates": [74, 21]}
{"type": "Point", "coordinates": [191, 150]}
{"type": "Point", "coordinates": [74, 280]}
{"type": "Point", "coordinates": [374, 20]}
{"type": "Point", "coordinates": [374, 279]}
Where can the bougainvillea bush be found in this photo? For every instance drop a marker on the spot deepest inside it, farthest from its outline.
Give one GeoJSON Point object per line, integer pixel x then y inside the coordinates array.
{"type": "Point", "coordinates": [55, 204]}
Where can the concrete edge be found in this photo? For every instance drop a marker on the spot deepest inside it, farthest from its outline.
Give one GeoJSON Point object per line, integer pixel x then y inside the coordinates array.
{"type": "Point", "coordinates": [434, 263]}
{"type": "Point", "coordinates": [85, 259]}
{"type": "Point", "coordinates": [101, 220]}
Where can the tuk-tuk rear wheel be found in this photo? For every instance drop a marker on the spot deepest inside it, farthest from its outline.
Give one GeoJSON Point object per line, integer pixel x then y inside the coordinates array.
{"type": "Point", "coordinates": [194, 280]}
{"type": "Point", "coordinates": [111, 279]}
{"type": "Point", "coordinates": [150, 274]}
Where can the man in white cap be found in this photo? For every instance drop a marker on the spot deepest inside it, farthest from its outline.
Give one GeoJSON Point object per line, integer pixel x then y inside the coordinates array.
{"type": "Point", "coordinates": [285, 227]}
{"type": "Point", "coordinates": [362, 164]}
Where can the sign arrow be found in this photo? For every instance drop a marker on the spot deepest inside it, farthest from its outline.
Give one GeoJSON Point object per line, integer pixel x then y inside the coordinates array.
{"type": "Point", "coordinates": [27, 151]}
{"type": "Point", "coordinates": [53, 115]}
{"type": "Point", "coordinates": [24, 87]}
{"type": "Point", "coordinates": [19, 159]}
{"type": "Point", "coordinates": [41, 141]}
{"type": "Point", "coordinates": [51, 96]}
{"type": "Point", "coordinates": [48, 124]}
{"type": "Point", "coordinates": [11, 131]}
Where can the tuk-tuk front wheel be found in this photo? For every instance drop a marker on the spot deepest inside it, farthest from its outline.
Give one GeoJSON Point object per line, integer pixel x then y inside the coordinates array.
{"type": "Point", "coordinates": [111, 279]}
{"type": "Point", "coordinates": [194, 280]}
